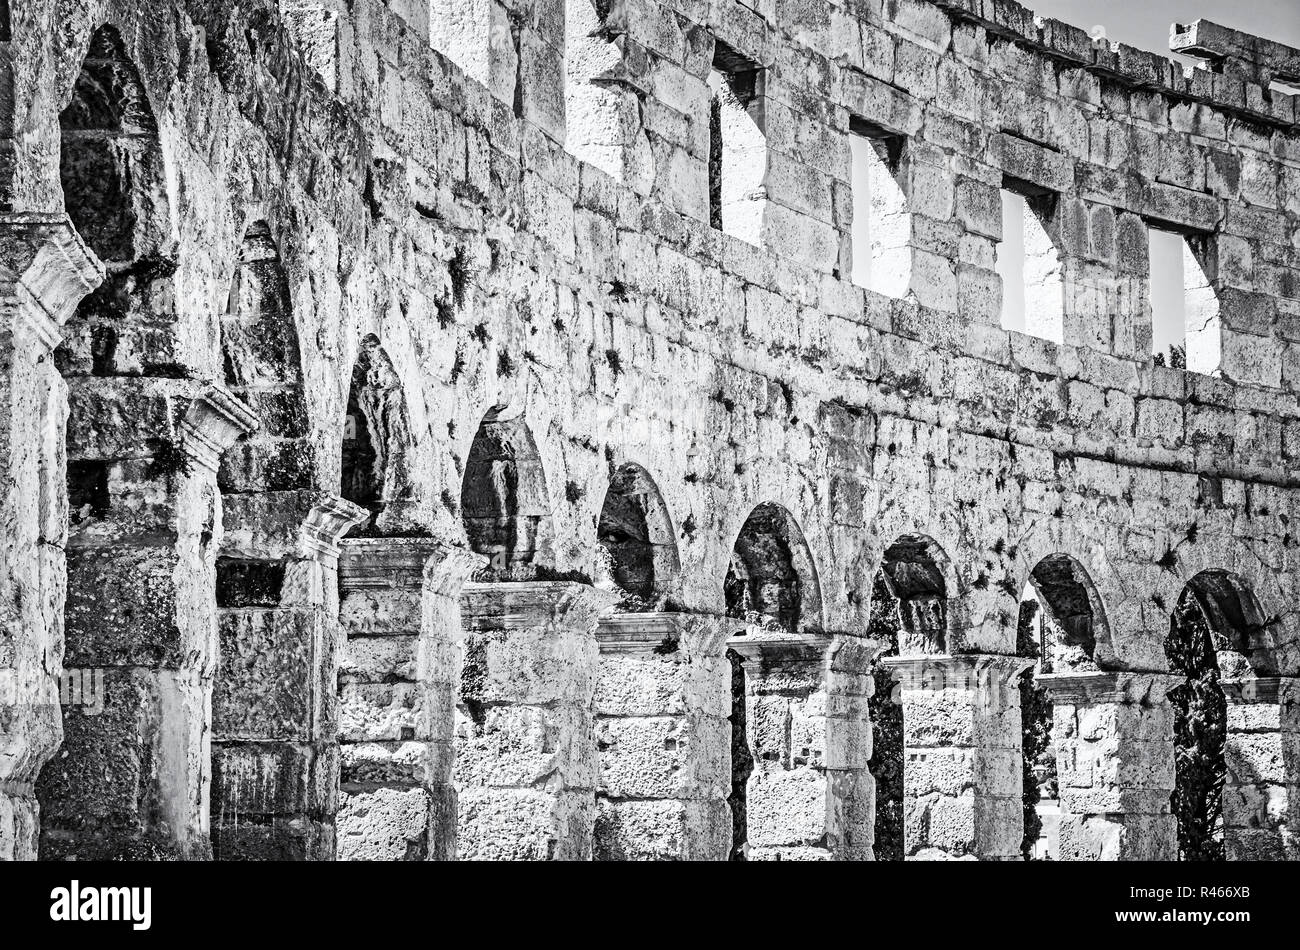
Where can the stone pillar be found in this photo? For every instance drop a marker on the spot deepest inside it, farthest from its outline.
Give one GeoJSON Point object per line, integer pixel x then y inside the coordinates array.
{"type": "Point", "coordinates": [400, 613]}
{"type": "Point", "coordinates": [809, 796]}
{"type": "Point", "coordinates": [1114, 738]}
{"type": "Point", "coordinates": [275, 721]}
{"type": "Point", "coordinates": [526, 755]}
{"type": "Point", "coordinates": [44, 271]}
{"type": "Point", "coordinates": [1261, 795]}
{"type": "Point", "coordinates": [133, 779]}
{"type": "Point", "coordinates": [962, 781]}
{"type": "Point", "coordinates": [662, 702]}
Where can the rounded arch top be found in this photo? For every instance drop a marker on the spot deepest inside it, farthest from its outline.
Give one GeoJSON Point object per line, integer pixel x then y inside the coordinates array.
{"type": "Point", "coordinates": [771, 577]}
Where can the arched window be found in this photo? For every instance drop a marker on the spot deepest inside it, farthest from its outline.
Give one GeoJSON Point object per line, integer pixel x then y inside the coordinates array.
{"type": "Point", "coordinates": [637, 545]}
{"type": "Point", "coordinates": [262, 367]}
{"type": "Point", "coordinates": [1217, 630]}
{"type": "Point", "coordinates": [504, 502]}
{"type": "Point", "coordinates": [909, 613]}
{"type": "Point", "coordinates": [1060, 623]}
{"type": "Point", "coordinates": [770, 579]}
{"type": "Point", "coordinates": [376, 435]}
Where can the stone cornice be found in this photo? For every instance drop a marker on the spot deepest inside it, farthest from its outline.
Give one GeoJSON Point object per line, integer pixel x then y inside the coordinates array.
{"type": "Point", "coordinates": [769, 648]}
{"type": "Point", "coordinates": [213, 423]}
{"type": "Point", "coordinates": [525, 604]}
{"type": "Point", "coordinates": [695, 634]}
{"type": "Point", "coordinates": [1264, 690]}
{"type": "Point", "coordinates": [48, 269]}
{"type": "Point", "coordinates": [1090, 689]}
{"type": "Point", "coordinates": [406, 563]}
{"type": "Point", "coordinates": [956, 671]}
{"type": "Point", "coordinates": [326, 523]}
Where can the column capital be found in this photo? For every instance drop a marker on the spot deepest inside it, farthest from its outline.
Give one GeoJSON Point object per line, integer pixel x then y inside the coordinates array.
{"type": "Point", "coordinates": [761, 647]}
{"type": "Point", "coordinates": [214, 421]}
{"type": "Point", "coordinates": [1262, 690]}
{"type": "Point", "coordinates": [956, 670]}
{"type": "Point", "coordinates": [1091, 689]}
{"type": "Point", "coordinates": [47, 268]}
{"type": "Point", "coordinates": [326, 523]}
{"type": "Point", "coordinates": [427, 563]}
{"type": "Point", "coordinates": [646, 632]}
{"type": "Point", "coordinates": [520, 605]}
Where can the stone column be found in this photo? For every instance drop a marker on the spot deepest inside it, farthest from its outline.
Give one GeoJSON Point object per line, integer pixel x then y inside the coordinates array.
{"type": "Point", "coordinates": [275, 721]}
{"type": "Point", "coordinates": [1114, 738]}
{"type": "Point", "coordinates": [1261, 795]}
{"type": "Point", "coordinates": [809, 796]}
{"type": "Point", "coordinates": [153, 645]}
{"type": "Point", "coordinates": [526, 755]}
{"type": "Point", "coordinates": [962, 781]}
{"type": "Point", "coordinates": [44, 271]}
{"type": "Point", "coordinates": [400, 613]}
{"type": "Point", "coordinates": [662, 702]}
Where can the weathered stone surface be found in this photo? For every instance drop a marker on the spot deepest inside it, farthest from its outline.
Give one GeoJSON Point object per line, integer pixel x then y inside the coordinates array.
{"type": "Point", "coordinates": [357, 237]}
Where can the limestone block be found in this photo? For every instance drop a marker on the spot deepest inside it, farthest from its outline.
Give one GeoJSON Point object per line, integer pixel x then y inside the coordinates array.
{"type": "Point", "coordinates": [383, 824]}
{"type": "Point", "coordinates": [786, 807]}
{"type": "Point", "coordinates": [265, 679]}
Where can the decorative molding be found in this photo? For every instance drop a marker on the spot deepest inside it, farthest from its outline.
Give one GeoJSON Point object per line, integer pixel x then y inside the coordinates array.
{"type": "Point", "coordinates": [956, 671]}
{"type": "Point", "coordinates": [213, 423]}
{"type": "Point", "coordinates": [526, 604]}
{"type": "Point", "coordinates": [326, 524]}
{"type": "Point", "coordinates": [1262, 691]}
{"type": "Point", "coordinates": [405, 563]}
{"type": "Point", "coordinates": [1091, 689]}
{"type": "Point", "coordinates": [49, 270]}
{"type": "Point", "coordinates": [769, 648]}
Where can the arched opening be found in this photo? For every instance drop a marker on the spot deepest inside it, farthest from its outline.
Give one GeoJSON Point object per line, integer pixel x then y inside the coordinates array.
{"type": "Point", "coordinates": [1218, 630]}
{"type": "Point", "coordinates": [1060, 621]}
{"type": "Point", "coordinates": [111, 170]}
{"type": "Point", "coordinates": [770, 580]}
{"type": "Point", "coordinates": [504, 502]}
{"type": "Point", "coordinates": [637, 553]}
{"type": "Point", "coordinates": [376, 436]}
{"type": "Point", "coordinates": [120, 356]}
{"type": "Point", "coordinates": [262, 366]}
{"type": "Point", "coordinates": [909, 613]}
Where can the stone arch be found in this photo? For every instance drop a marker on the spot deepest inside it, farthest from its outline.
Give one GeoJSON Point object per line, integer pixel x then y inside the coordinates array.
{"type": "Point", "coordinates": [771, 577]}
{"type": "Point", "coordinates": [1070, 619]}
{"type": "Point", "coordinates": [114, 183]}
{"type": "Point", "coordinates": [1217, 630]}
{"type": "Point", "coordinates": [376, 437]}
{"type": "Point", "coordinates": [1060, 623]}
{"type": "Point", "coordinates": [1224, 571]}
{"type": "Point", "coordinates": [917, 575]}
{"type": "Point", "coordinates": [504, 503]}
{"type": "Point", "coordinates": [262, 366]}
{"type": "Point", "coordinates": [910, 615]}
{"type": "Point", "coordinates": [1118, 615]}
{"type": "Point", "coordinates": [639, 543]}
{"type": "Point", "coordinates": [1241, 632]}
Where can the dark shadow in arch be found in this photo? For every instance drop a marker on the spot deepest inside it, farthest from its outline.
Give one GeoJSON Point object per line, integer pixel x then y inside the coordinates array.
{"type": "Point", "coordinates": [637, 541]}
{"type": "Point", "coordinates": [1059, 624]}
{"type": "Point", "coordinates": [114, 190]}
{"type": "Point", "coordinates": [771, 579]}
{"type": "Point", "coordinates": [912, 571]}
{"type": "Point", "coordinates": [1069, 619]}
{"type": "Point", "coordinates": [1218, 630]}
{"type": "Point", "coordinates": [376, 436]}
{"type": "Point", "coordinates": [504, 502]}
{"type": "Point", "coordinates": [262, 365]}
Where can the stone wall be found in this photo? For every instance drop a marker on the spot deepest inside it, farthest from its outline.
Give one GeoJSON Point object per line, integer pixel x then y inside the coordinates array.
{"type": "Point", "coordinates": [421, 199]}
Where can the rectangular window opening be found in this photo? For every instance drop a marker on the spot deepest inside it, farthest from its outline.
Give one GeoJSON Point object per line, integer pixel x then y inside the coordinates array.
{"type": "Point", "coordinates": [1185, 330]}
{"type": "Point", "coordinates": [737, 145]}
{"type": "Point", "coordinates": [881, 232]}
{"type": "Point", "coordinates": [1033, 290]}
